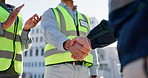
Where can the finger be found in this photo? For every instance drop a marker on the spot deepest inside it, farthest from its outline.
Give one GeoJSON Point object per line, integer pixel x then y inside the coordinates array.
{"type": "Point", "coordinates": [78, 39]}
{"type": "Point", "coordinates": [74, 50]}
{"type": "Point", "coordinates": [73, 41]}
{"type": "Point", "coordinates": [83, 49]}
{"type": "Point", "coordinates": [19, 8]}
{"type": "Point", "coordinates": [81, 55]}
{"type": "Point", "coordinates": [35, 21]}
{"type": "Point", "coordinates": [88, 43]}
{"type": "Point", "coordinates": [74, 55]}
{"type": "Point", "coordinates": [84, 41]}
{"type": "Point", "coordinates": [35, 17]}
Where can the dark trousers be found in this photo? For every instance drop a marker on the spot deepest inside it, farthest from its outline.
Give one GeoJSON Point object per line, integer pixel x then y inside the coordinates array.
{"type": "Point", "coordinates": [10, 73]}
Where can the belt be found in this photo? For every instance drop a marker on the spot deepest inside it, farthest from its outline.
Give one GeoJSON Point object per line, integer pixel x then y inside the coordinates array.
{"type": "Point", "coordinates": [82, 63]}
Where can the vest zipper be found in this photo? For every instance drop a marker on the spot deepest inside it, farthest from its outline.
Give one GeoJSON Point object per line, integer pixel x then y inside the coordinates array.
{"type": "Point", "coordinates": [77, 26]}
{"type": "Point", "coordinates": [14, 46]}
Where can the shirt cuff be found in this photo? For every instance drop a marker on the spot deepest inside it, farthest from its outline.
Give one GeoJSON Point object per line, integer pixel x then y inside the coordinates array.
{"type": "Point", "coordinates": [61, 41]}
{"type": "Point", "coordinates": [1, 29]}
{"type": "Point", "coordinates": [25, 33]}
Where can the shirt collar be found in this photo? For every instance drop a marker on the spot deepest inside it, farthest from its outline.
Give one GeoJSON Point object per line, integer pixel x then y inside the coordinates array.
{"type": "Point", "coordinates": [62, 4]}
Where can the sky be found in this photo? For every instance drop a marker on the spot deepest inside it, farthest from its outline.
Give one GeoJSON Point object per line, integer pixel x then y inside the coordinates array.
{"type": "Point", "coordinates": [92, 8]}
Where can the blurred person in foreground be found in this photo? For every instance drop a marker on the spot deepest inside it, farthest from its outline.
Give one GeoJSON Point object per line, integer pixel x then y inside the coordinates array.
{"type": "Point", "coordinates": [128, 24]}
{"type": "Point", "coordinates": [59, 25]}
{"type": "Point", "coordinates": [13, 39]}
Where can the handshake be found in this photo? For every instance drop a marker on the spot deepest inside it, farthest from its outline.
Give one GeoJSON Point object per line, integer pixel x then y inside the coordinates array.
{"type": "Point", "coordinates": [80, 47]}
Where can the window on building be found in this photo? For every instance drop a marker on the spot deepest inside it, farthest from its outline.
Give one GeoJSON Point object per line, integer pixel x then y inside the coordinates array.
{"type": "Point", "coordinates": [31, 76]}
{"type": "Point", "coordinates": [41, 39]}
{"type": "Point", "coordinates": [39, 76]}
{"type": "Point", "coordinates": [35, 76]}
{"type": "Point", "coordinates": [32, 64]}
{"type": "Point", "coordinates": [43, 64]}
{"type": "Point", "coordinates": [25, 53]}
{"type": "Point", "coordinates": [39, 64]}
{"type": "Point", "coordinates": [37, 52]}
{"type": "Point", "coordinates": [37, 30]}
{"type": "Point", "coordinates": [25, 64]}
{"type": "Point", "coordinates": [42, 52]}
{"type": "Point", "coordinates": [28, 64]}
{"type": "Point", "coordinates": [32, 31]}
{"type": "Point", "coordinates": [42, 75]}
{"type": "Point", "coordinates": [32, 39]}
{"type": "Point", "coordinates": [35, 64]}
{"type": "Point", "coordinates": [36, 39]}
{"type": "Point", "coordinates": [30, 52]}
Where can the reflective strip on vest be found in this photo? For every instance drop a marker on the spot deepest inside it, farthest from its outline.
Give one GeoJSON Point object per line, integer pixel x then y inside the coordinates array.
{"type": "Point", "coordinates": [73, 33]}
{"type": "Point", "coordinates": [10, 35]}
{"type": "Point", "coordinates": [9, 55]}
{"type": "Point", "coordinates": [52, 52]}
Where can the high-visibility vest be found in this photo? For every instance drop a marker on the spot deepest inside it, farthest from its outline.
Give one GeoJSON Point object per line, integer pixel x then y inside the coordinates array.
{"type": "Point", "coordinates": [68, 27]}
{"type": "Point", "coordinates": [10, 43]}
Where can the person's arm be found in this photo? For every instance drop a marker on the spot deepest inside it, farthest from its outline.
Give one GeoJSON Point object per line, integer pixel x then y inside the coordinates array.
{"type": "Point", "coordinates": [101, 36]}
{"type": "Point", "coordinates": [12, 17]}
{"type": "Point", "coordinates": [50, 30]}
{"type": "Point", "coordinates": [94, 69]}
{"type": "Point", "coordinates": [25, 38]}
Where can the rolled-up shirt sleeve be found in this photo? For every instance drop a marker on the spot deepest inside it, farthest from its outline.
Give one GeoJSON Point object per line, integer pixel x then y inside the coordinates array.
{"type": "Point", "coordinates": [25, 40]}
{"type": "Point", "coordinates": [50, 30]}
{"type": "Point", "coordinates": [1, 29]}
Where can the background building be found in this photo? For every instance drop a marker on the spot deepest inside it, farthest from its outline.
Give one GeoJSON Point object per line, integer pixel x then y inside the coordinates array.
{"type": "Point", "coordinates": [34, 57]}
{"type": "Point", "coordinates": [93, 22]}
{"type": "Point", "coordinates": [109, 63]}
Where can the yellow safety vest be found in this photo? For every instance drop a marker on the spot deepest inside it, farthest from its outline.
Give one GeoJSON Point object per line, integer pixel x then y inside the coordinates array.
{"type": "Point", "coordinates": [10, 43]}
{"type": "Point", "coordinates": [67, 26]}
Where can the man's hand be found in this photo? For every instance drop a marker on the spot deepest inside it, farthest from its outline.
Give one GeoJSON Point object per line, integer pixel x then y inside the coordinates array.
{"type": "Point", "coordinates": [79, 47]}
{"type": "Point", "coordinates": [76, 51]}
{"type": "Point", "coordinates": [84, 47]}
{"type": "Point", "coordinates": [84, 42]}
{"type": "Point", "coordinates": [31, 22]}
{"type": "Point", "coordinates": [12, 17]}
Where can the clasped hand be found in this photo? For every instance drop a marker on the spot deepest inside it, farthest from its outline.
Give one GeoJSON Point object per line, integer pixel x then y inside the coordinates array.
{"type": "Point", "coordinates": [80, 47]}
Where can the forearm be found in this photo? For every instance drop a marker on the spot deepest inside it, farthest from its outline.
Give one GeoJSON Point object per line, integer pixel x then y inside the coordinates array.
{"type": "Point", "coordinates": [101, 36]}
{"type": "Point", "coordinates": [57, 39]}
{"type": "Point", "coordinates": [51, 32]}
{"type": "Point", "coordinates": [25, 40]}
